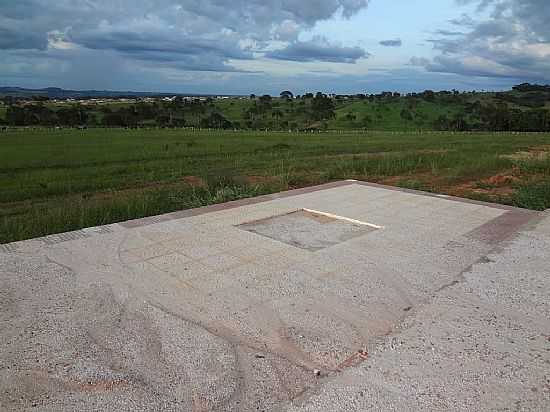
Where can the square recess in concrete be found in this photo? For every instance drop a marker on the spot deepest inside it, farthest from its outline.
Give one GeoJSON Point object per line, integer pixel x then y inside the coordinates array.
{"type": "Point", "coordinates": [309, 229]}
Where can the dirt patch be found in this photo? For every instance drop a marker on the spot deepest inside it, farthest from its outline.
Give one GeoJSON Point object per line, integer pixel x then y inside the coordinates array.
{"type": "Point", "coordinates": [255, 180]}
{"type": "Point", "coordinates": [354, 360]}
{"type": "Point", "coordinates": [542, 148]}
{"type": "Point", "coordinates": [501, 180]}
{"type": "Point", "coordinates": [497, 187]}
{"type": "Point", "coordinates": [421, 180]}
{"type": "Point", "coordinates": [541, 152]}
{"type": "Point", "coordinates": [473, 187]}
{"type": "Point", "coordinates": [194, 181]}
{"type": "Point", "coordinates": [394, 180]}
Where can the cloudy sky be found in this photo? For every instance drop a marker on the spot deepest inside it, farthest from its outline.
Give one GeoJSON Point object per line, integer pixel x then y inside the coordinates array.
{"type": "Point", "coordinates": [265, 46]}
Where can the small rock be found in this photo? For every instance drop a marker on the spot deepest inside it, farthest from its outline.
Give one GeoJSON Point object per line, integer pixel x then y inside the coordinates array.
{"type": "Point", "coordinates": [316, 372]}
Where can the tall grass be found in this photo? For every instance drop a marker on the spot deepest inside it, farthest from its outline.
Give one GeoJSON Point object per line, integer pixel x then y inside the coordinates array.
{"type": "Point", "coordinates": [534, 195]}
{"type": "Point", "coordinates": [536, 165]}
{"type": "Point", "coordinates": [76, 213]}
{"type": "Point", "coordinates": [54, 181]}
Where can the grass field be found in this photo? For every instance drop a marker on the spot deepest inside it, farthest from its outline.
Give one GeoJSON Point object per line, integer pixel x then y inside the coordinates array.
{"type": "Point", "coordinates": [55, 181]}
{"type": "Point", "coordinates": [388, 116]}
{"type": "Point", "coordinates": [372, 115]}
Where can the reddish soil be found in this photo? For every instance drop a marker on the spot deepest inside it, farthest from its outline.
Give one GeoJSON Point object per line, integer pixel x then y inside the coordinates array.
{"type": "Point", "coordinates": [427, 179]}
{"type": "Point", "coordinates": [256, 180]}
{"type": "Point", "coordinates": [464, 189]}
{"type": "Point", "coordinates": [194, 181]}
{"type": "Point", "coordinates": [533, 153]}
{"type": "Point", "coordinates": [495, 187]}
{"type": "Point", "coordinates": [501, 180]}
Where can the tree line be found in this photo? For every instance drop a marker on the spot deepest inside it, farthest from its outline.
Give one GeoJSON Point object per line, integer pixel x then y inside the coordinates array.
{"type": "Point", "coordinates": [178, 113]}
{"type": "Point", "coordinates": [525, 108]}
{"type": "Point", "coordinates": [499, 117]}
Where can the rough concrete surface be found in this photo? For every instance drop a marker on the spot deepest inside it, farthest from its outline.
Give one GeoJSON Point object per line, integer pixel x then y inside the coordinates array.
{"type": "Point", "coordinates": [308, 230]}
{"type": "Point", "coordinates": [445, 307]}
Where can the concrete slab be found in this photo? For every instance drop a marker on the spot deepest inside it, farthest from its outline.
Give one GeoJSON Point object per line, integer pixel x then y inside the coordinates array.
{"type": "Point", "coordinates": [443, 307]}
{"type": "Point", "coordinates": [310, 230]}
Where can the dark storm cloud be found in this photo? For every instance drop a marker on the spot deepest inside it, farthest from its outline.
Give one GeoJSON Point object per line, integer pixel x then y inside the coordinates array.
{"type": "Point", "coordinates": [133, 42]}
{"type": "Point", "coordinates": [391, 43]}
{"type": "Point", "coordinates": [166, 46]}
{"type": "Point", "coordinates": [118, 24]}
{"type": "Point", "coordinates": [513, 42]}
{"type": "Point", "coordinates": [12, 38]}
{"type": "Point", "coordinates": [318, 50]}
{"type": "Point", "coordinates": [158, 44]}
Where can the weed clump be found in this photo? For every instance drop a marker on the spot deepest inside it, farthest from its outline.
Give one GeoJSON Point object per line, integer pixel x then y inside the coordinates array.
{"type": "Point", "coordinates": [535, 195]}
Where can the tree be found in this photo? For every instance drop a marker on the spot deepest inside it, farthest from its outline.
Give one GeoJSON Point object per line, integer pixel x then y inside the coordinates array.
{"type": "Point", "coordinates": [216, 121]}
{"type": "Point", "coordinates": [15, 116]}
{"type": "Point", "coordinates": [406, 115]}
{"type": "Point", "coordinates": [322, 107]}
{"type": "Point", "coordinates": [251, 114]}
{"type": "Point", "coordinates": [72, 116]}
{"type": "Point", "coordinates": [367, 120]}
{"type": "Point", "coordinates": [113, 119]}
{"type": "Point", "coordinates": [277, 114]}
{"type": "Point", "coordinates": [428, 95]}
{"type": "Point", "coordinates": [287, 95]}
{"type": "Point", "coordinates": [351, 117]}
{"type": "Point", "coordinates": [442, 123]}
{"type": "Point", "coordinates": [265, 103]}
{"type": "Point", "coordinates": [9, 100]}
{"type": "Point", "coordinates": [197, 109]}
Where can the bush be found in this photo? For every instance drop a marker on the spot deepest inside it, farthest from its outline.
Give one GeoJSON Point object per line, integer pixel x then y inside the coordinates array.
{"type": "Point", "coordinates": [533, 196]}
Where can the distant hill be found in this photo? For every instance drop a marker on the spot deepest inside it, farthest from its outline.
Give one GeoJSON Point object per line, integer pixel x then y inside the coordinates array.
{"type": "Point", "coordinates": [524, 108]}
{"type": "Point", "coordinates": [58, 93]}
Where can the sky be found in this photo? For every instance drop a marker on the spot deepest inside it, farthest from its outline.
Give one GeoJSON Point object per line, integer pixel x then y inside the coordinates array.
{"type": "Point", "coordinates": [266, 46]}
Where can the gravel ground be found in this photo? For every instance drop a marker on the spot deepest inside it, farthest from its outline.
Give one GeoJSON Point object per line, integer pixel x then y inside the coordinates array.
{"type": "Point", "coordinates": [481, 344]}
{"type": "Point", "coordinates": [194, 313]}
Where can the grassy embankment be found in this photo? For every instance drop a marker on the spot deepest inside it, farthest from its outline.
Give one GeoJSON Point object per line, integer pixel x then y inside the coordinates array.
{"type": "Point", "coordinates": [55, 181]}
{"type": "Point", "coordinates": [352, 114]}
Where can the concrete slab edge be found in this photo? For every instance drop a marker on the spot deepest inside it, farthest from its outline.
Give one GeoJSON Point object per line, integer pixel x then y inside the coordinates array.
{"type": "Point", "coordinates": [146, 221]}
{"type": "Point", "coordinates": [230, 205]}
{"type": "Point", "coordinates": [295, 192]}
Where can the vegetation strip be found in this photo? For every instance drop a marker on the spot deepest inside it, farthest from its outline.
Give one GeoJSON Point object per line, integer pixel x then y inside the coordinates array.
{"type": "Point", "coordinates": [54, 181]}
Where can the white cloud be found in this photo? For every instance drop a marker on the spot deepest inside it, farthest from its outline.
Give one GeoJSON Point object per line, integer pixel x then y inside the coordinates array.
{"type": "Point", "coordinates": [513, 42]}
